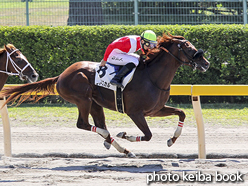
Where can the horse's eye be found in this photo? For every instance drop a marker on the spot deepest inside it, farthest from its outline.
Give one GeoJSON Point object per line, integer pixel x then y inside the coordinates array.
{"type": "Point", "coordinates": [18, 58]}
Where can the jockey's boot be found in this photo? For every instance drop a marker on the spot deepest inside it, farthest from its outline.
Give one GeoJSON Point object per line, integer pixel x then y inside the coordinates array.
{"type": "Point", "coordinates": [118, 78]}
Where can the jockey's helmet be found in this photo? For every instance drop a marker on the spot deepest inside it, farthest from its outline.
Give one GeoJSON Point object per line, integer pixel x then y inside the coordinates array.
{"type": "Point", "coordinates": [149, 38]}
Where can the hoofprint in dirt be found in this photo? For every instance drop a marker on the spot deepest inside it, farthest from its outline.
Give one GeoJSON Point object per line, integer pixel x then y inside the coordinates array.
{"type": "Point", "coordinates": [69, 156]}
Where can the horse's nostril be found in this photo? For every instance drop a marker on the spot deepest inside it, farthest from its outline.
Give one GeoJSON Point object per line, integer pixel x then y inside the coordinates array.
{"type": "Point", "coordinates": [35, 75]}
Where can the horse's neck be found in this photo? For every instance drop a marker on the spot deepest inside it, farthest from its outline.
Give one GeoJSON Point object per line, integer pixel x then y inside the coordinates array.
{"type": "Point", "coordinates": [3, 76]}
{"type": "Point", "coordinates": [163, 72]}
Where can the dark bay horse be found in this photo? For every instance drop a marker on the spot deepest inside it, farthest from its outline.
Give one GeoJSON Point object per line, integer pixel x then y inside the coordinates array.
{"type": "Point", "coordinates": [13, 62]}
{"type": "Point", "coordinates": [145, 95]}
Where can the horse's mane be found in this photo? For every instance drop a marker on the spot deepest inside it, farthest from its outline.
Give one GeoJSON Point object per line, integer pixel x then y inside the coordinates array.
{"type": "Point", "coordinates": [165, 41]}
{"type": "Point", "coordinates": [2, 50]}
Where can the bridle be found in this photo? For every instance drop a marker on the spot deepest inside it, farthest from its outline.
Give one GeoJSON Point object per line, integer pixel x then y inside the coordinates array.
{"type": "Point", "coordinates": [191, 60]}
{"type": "Point", "coordinates": [19, 71]}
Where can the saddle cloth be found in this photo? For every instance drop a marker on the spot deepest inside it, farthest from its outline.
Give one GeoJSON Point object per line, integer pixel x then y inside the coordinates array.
{"type": "Point", "coordinates": [106, 73]}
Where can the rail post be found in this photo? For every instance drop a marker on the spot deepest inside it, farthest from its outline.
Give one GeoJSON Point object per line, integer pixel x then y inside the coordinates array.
{"type": "Point", "coordinates": [200, 126]}
{"type": "Point", "coordinates": [245, 11]}
{"type": "Point", "coordinates": [6, 129]}
{"type": "Point", "coordinates": [136, 13]}
{"type": "Point", "coordinates": [27, 10]}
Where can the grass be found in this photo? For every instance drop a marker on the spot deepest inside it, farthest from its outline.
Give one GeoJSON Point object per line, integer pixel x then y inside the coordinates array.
{"type": "Point", "coordinates": [43, 115]}
{"type": "Point", "coordinates": [40, 12]}
{"type": "Point", "coordinates": [56, 12]}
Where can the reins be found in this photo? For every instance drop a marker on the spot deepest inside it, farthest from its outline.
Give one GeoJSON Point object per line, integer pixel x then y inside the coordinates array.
{"type": "Point", "coordinates": [178, 59]}
{"type": "Point", "coordinates": [191, 59]}
{"type": "Point", "coordinates": [191, 62]}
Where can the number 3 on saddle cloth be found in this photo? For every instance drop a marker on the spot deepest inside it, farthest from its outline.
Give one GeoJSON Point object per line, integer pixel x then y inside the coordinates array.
{"type": "Point", "coordinates": [105, 74]}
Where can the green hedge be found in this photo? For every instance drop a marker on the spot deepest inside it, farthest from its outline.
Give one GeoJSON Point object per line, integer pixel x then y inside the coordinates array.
{"type": "Point", "coordinates": [52, 49]}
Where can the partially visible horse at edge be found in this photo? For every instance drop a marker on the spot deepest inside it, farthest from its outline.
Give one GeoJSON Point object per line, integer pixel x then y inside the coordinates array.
{"type": "Point", "coordinates": [13, 62]}
{"type": "Point", "coordinates": [145, 95]}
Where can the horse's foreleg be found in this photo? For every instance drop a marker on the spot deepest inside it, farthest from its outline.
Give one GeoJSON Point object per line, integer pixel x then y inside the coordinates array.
{"type": "Point", "coordinates": [123, 135]}
{"type": "Point", "coordinates": [177, 133]}
{"type": "Point", "coordinates": [141, 123]}
{"type": "Point", "coordinates": [97, 114]}
{"type": "Point", "coordinates": [167, 111]}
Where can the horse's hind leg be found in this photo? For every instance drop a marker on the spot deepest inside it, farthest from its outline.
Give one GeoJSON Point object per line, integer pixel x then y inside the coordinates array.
{"type": "Point", "coordinates": [97, 114]}
{"type": "Point", "coordinates": [84, 108]}
{"type": "Point", "coordinates": [82, 97]}
{"type": "Point", "coordinates": [167, 111]}
{"type": "Point", "coordinates": [80, 93]}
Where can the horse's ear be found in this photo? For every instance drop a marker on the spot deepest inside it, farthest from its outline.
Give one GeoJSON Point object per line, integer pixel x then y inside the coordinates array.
{"type": "Point", "coordinates": [7, 48]}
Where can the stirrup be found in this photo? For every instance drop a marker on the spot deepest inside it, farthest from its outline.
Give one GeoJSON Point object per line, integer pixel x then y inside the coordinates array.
{"type": "Point", "coordinates": [118, 84]}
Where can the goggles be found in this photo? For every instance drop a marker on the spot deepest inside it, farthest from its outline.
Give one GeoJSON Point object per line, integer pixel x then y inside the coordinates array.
{"type": "Point", "coordinates": [150, 44]}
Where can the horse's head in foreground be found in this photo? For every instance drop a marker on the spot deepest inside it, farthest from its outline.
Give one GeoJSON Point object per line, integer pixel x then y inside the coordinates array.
{"type": "Point", "coordinates": [13, 62]}
{"type": "Point", "coordinates": [184, 52]}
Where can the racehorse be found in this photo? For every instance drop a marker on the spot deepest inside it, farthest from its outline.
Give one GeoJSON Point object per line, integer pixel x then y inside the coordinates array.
{"type": "Point", "coordinates": [13, 62]}
{"type": "Point", "coordinates": [145, 95]}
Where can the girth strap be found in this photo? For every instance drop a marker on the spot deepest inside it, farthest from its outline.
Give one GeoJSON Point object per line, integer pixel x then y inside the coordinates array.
{"type": "Point", "coordinates": [119, 100]}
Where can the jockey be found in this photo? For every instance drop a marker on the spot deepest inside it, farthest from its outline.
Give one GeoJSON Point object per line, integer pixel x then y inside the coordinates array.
{"type": "Point", "coordinates": [121, 52]}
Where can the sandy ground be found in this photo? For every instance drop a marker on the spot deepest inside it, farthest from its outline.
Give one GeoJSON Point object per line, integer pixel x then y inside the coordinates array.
{"type": "Point", "coordinates": [69, 156]}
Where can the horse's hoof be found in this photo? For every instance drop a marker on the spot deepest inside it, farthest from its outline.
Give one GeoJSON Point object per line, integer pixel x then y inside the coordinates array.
{"type": "Point", "coordinates": [131, 155]}
{"type": "Point", "coordinates": [121, 135]}
{"type": "Point", "coordinates": [169, 142]}
{"type": "Point", "coordinates": [107, 145]}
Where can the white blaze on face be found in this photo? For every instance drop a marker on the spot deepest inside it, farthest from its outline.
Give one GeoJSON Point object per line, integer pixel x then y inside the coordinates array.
{"type": "Point", "coordinates": [23, 57]}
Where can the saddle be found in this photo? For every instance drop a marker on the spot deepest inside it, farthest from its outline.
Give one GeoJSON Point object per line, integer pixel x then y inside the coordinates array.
{"type": "Point", "coordinates": [105, 74]}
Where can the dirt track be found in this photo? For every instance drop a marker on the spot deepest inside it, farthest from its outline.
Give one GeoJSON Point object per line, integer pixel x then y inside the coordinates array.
{"type": "Point", "coordinates": [69, 156]}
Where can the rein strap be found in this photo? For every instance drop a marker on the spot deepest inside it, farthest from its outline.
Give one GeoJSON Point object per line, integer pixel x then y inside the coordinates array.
{"type": "Point", "coordinates": [183, 62]}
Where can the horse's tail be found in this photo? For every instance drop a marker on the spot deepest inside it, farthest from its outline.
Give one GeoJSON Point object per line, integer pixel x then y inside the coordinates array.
{"type": "Point", "coordinates": [46, 86]}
